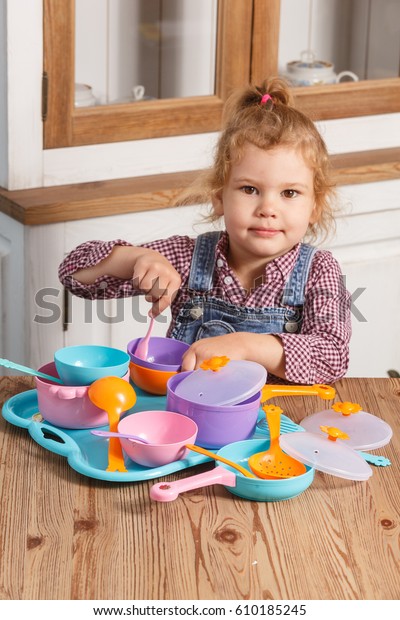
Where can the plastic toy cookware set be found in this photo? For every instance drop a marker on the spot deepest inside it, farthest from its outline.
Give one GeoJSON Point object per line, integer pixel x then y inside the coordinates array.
{"type": "Point", "coordinates": [178, 417]}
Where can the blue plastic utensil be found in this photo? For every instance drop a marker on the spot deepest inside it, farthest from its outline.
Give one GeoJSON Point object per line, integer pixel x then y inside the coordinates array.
{"type": "Point", "coordinates": [143, 346]}
{"type": "Point", "coordinates": [28, 371]}
{"type": "Point", "coordinates": [375, 459]}
{"type": "Point", "coordinates": [123, 435]}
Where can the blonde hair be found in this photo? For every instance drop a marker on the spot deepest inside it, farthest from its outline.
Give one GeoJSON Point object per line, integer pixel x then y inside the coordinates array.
{"type": "Point", "coordinates": [247, 120]}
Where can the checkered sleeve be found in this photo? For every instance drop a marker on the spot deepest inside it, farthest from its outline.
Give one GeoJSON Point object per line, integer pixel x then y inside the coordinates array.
{"type": "Point", "coordinates": [320, 353]}
{"type": "Point", "coordinates": [177, 249]}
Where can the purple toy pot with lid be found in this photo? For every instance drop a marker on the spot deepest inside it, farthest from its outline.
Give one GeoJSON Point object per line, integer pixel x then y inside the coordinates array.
{"type": "Point", "coordinates": [199, 395]}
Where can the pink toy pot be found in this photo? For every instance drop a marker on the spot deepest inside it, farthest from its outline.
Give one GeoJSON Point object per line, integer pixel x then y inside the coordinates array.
{"type": "Point", "coordinates": [168, 433]}
{"type": "Point", "coordinates": [218, 425]}
{"type": "Point", "coordinates": [68, 406]}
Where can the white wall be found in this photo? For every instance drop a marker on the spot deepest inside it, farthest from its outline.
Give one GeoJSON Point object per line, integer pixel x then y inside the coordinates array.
{"type": "Point", "coordinates": [21, 57]}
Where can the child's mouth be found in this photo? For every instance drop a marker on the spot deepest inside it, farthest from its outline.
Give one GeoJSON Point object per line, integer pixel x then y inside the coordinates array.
{"type": "Point", "coordinates": [265, 232]}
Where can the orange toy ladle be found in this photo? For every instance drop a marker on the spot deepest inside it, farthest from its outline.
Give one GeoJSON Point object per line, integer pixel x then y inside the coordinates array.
{"type": "Point", "coordinates": [274, 463]}
{"type": "Point", "coordinates": [113, 395]}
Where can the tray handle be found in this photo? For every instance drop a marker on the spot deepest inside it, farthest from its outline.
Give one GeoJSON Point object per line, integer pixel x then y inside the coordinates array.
{"type": "Point", "coordinates": [52, 438]}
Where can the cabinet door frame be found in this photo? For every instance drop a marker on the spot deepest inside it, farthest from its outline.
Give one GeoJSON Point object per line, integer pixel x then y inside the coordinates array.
{"type": "Point", "coordinates": [247, 51]}
{"type": "Point", "coordinates": [66, 125]}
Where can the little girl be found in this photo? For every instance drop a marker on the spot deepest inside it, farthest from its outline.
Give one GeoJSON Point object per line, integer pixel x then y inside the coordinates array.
{"type": "Point", "coordinates": [254, 291]}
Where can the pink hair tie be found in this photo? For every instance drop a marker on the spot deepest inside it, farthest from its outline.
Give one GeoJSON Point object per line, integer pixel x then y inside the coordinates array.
{"type": "Point", "coordinates": [265, 98]}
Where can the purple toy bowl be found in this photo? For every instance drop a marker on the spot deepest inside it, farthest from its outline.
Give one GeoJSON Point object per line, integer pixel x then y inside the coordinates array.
{"type": "Point", "coordinates": [163, 353]}
{"type": "Point", "coordinates": [218, 425]}
{"type": "Point", "coordinates": [68, 406]}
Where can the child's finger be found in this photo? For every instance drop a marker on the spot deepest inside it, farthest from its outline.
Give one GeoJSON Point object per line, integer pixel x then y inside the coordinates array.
{"type": "Point", "coordinates": [160, 304]}
{"type": "Point", "coordinates": [189, 360]}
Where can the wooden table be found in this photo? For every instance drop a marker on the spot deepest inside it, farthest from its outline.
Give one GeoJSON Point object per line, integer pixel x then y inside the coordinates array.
{"type": "Point", "coordinates": [68, 537]}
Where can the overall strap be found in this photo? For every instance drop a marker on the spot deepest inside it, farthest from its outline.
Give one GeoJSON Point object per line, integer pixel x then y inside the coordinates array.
{"type": "Point", "coordinates": [203, 261]}
{"type": "Point", "coordinates": [293, 294]}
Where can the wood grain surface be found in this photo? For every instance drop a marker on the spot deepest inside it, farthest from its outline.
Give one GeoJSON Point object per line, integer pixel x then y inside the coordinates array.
{"type": "Point", "coordinates": [64, 536]}
{"type": "Point", "coordinates": [62, 203]}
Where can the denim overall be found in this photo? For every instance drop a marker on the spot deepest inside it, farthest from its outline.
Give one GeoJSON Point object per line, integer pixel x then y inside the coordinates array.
{"type": "Point", "coordinates": [204, 316]}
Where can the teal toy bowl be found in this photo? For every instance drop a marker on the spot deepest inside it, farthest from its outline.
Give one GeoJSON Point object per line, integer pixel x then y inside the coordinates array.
{"type": "Point", "coordinates": [84, 364]}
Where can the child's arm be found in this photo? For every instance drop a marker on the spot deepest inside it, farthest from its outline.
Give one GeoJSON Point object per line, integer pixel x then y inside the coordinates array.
{"type": "Point", "coordinates": [318, 354]}
{"type": "Point", "coordinates": [125, 266]}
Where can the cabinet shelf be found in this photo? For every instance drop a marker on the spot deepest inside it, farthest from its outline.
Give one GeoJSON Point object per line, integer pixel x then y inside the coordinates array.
{"type": "Point", "coordinates": [50, 205]}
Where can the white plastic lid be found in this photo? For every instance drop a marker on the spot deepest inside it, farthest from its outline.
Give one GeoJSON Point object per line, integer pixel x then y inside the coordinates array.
{"type": "Point", "coordinates": [331, 457]}
{"type": "Point", "coordinates": [231, 384]}
{"type": "Point", "coordinates": [365, 431]}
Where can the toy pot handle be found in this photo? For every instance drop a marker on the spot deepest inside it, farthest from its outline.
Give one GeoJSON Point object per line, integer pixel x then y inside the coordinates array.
{"type": "Point", "coordinates": [326, 392]}
{"type": "Point", "coordinates": [168, 491]}
{"type": "Point", "coordinates": [349, 74]}
{"type": "Point", "coordinates": [67, 394]}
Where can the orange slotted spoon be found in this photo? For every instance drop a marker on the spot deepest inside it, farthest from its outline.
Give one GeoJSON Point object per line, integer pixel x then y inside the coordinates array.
{"type": "Point", "coordinates": [274, 463]}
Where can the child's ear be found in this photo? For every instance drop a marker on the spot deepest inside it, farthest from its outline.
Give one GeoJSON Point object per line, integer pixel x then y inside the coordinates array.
{"type": "Point", "coordinates": [217, 203]}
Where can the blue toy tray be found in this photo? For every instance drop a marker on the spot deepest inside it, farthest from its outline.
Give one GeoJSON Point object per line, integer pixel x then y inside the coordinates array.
{"type": "Point", "coordinates": [88, 454]}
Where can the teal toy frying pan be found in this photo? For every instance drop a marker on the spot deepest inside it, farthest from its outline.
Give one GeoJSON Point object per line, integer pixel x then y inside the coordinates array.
{"type": "Point", "coordinates": [248, 488]}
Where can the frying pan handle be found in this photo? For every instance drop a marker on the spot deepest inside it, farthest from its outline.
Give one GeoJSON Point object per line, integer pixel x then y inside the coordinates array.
{"type": "Point", "coordinates": [168, 491]}
{"type": "Point", "coordinates": [326, 392]}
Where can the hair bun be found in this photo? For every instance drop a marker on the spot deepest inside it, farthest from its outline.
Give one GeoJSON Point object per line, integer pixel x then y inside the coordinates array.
{"type": "Point", "coordinates": [278, 89]}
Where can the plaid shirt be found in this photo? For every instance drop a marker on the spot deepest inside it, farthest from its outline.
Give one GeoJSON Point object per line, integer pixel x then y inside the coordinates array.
{"type": "Point", "coordinates": [319, 354]}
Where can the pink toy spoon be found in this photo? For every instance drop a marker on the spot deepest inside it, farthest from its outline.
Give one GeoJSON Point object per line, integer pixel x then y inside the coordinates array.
{"type": "Point", "coordinates": [143, 346]}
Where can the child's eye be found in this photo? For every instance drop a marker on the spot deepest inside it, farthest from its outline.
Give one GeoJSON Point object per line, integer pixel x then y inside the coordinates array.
{"type": "Point", "coordinates": [249, 189]}
{"type": "Point", "coordinates": [290, 193]}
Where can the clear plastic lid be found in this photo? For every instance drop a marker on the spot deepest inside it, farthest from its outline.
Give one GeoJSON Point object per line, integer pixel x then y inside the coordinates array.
{"type": "Point", "coordinates": [331, 457]}
{"type": "Point", "coordinates": [365, 431]}
{"type": "Point", "coordinates": [229, 385]}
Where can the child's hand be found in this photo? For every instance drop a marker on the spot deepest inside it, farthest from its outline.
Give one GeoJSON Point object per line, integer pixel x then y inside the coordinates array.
{"type": "Point", "coordinates": [157, 278]}
{"type": "Point", "coordinates": [265, 349]}
{"type": "Point", "coordinates": [230, 345]}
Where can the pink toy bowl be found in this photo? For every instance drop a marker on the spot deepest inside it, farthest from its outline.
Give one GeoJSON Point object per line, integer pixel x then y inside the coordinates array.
{"type": "Point", "coordinates": [218, 425]}
{"type": "Point", "coordinates": [68, 406]}
{"type": "Point", "coordinates": [163, 354]}
{"type": "Point", "coordinates": [167, 432]}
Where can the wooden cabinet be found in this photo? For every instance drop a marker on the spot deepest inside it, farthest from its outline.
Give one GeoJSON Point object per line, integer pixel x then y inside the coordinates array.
{"type": "Point", "coordinates": [247, 49]}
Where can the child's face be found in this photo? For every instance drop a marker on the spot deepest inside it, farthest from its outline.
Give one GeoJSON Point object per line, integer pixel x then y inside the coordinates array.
{"type": "Point", "coordinates": [267, 203]}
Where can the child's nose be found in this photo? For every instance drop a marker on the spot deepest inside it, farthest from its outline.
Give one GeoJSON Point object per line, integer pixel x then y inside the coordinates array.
{"type": "Point", "coordinates": [266, 207]}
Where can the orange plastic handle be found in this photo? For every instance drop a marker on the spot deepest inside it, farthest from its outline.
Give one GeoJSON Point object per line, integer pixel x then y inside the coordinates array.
{"type": "Point", "coordinates": [326, 392]}
{"type": "Point", "coordinates": [220, 458]}
{"type": "Point", "coordinates": [115, 454]}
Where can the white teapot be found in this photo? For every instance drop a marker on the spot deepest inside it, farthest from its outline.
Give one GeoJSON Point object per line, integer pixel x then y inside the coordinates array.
{"type": "Point", "coordinates": [311, 72]}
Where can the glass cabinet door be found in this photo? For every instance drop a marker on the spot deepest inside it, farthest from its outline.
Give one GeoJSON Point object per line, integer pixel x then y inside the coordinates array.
{"type": "Point", "coordinates": [117, 70]}
{"type": "Point", "coordinates": [329, 41]}
{"type": "Point", "coordinates": [186, 55]}
{"type": "Point", "coordinates": [141, 50]}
